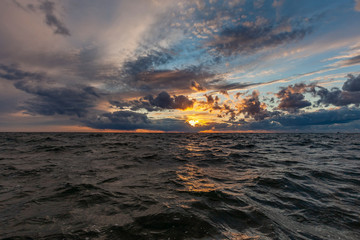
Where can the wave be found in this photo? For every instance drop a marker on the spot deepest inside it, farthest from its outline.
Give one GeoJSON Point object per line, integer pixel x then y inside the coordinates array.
{"type": "Point", "coordinates": [179, 186]}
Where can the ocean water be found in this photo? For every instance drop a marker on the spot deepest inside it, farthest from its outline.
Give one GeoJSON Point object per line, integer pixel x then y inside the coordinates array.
{"type": "Point", "coordinates": [179, 186]}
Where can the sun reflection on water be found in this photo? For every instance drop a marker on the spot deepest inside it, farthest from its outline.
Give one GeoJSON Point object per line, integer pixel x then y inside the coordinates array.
{"type": "Point", "coordinates": [194, 179]}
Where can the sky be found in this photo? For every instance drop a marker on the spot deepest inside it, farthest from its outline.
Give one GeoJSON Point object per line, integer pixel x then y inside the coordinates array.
{"type": "Point", "coordinates": [180, 66]}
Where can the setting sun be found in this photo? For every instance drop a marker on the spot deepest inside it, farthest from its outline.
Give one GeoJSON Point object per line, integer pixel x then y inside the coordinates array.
{"type": "Point", "coordinates": [193, 123]}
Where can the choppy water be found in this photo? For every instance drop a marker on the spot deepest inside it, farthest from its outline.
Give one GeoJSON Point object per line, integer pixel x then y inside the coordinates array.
{"type": "Point", "coordinates": [179, 186]}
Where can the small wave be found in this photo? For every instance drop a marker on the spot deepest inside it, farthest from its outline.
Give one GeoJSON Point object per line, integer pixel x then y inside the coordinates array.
{"type": "Point", "coordinates": [181, 225]}
{"type": "Point", "coordinates": [243, 146]}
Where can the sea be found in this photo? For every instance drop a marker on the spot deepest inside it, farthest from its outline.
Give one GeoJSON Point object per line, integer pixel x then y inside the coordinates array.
{"type": "Point", "coordinates": [179, 186]}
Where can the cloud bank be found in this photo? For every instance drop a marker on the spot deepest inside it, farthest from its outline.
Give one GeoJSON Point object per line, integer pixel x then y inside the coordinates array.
{"type": "Point", "coordinates": [228, 65]}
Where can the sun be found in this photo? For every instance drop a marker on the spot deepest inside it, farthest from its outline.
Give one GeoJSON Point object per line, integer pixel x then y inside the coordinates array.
{"type": "Point", "coordinates": [193, 123]}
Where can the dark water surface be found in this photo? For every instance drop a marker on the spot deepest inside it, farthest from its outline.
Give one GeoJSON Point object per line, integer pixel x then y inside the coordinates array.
{"type": "Point", "coordinates": [179, 186]}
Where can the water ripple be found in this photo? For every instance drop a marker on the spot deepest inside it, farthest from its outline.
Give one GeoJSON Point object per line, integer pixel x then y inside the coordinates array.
{"type": "Point", "coordinates": [179, 186]}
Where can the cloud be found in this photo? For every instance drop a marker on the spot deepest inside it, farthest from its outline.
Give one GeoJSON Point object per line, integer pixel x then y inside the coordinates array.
{"type": "Point", "coordinates": [162, 101]}
{"type": "Point", "coordinates": [231, 86]}
{"type": "Point", "coordinates": [171, 80]}
{"type": "Point", "coordinates": [292, 98]}
{"type": "Point", "coordinates": [170, 124]}
{"type": "Point", "coordinates": [167, 53]}
{"type": "Point", "coordinates": [28, 7]}
{"type": "Point", "coordinates": [322, 120]}
{"type": "Point", "coordinates": [48, 8]}
{"type": "Point", "coordinates": [321, 117]}
{"type": "Point", "coordinates": [146, 62]}
{"type": "Point", "coordinates": [12, 72]}
{"type": "Point", "coordinates": [51, 100]}
{"type": "Point", "coordinates": [351, 61]}
{"type": "Point", "coordinates": [128, 120]}
{"type": "Point", "coordinates": [211, 103]}
{"type": "Point", "coordinates": [253, 38]}
{"type": "Point", "coordinates": [337, 97]}
{"type": "Point", "coordinates": [352, 84]}
{"type": "Point", "coordinates": [146, 73]}
{"type": "Point", "coordinates": [165, 101]}
{"type": "Point", "coordinates": [251, 106]}
{"type": "Point", "coordinates": [120, 120]}
{"type": "Point", "coordinates": [197, 87]}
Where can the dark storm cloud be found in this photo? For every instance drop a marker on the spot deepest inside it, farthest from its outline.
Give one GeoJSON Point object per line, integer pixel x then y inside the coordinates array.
{"type": "Point", "coordinates": [51, 20]}
{"type": "Point", "coordinates": [322, 120]}
{"type": "Point", "coordinates": [293, 102]}
{"type": "Point", "coordinates": [82, 63]}
{"type": "Point", "coordinates": [321, 117]}
{"type": "Point", "coordinates": [145, 74]}
{"type": "Point", "coordinates": [52, 100]}
{"type": "Point", "coordinates": [146, 62]}
{"type": "Point", "coordinates": [173, 80]}
{"type": "Point", "coordinates": [128, 120]}
{"type": "Point", "coordinates": [87, 63]}
{"type": "Point", "coordinates": [120, 120]}
{"type": "Point", "coordinates": [12, 72]}
{"type": "Point", "coordinates": [250, 39]}
{"type": "Point", "coordinates": [252, 107]}
{"type": "Point", "coordinates": [169, 124]}
{"type": "Point", "coordinates": [162, 101]}
{"type": "Point", "coordinates": [292, 98]}
{"type": "Point", "coordinates": [337, 97]}
{"type": "Point", "coordinates": [352, 84]}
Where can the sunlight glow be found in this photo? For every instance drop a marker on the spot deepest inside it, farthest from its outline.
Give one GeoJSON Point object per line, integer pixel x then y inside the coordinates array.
{"type": "Point", "coordinates": [193, 123]}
